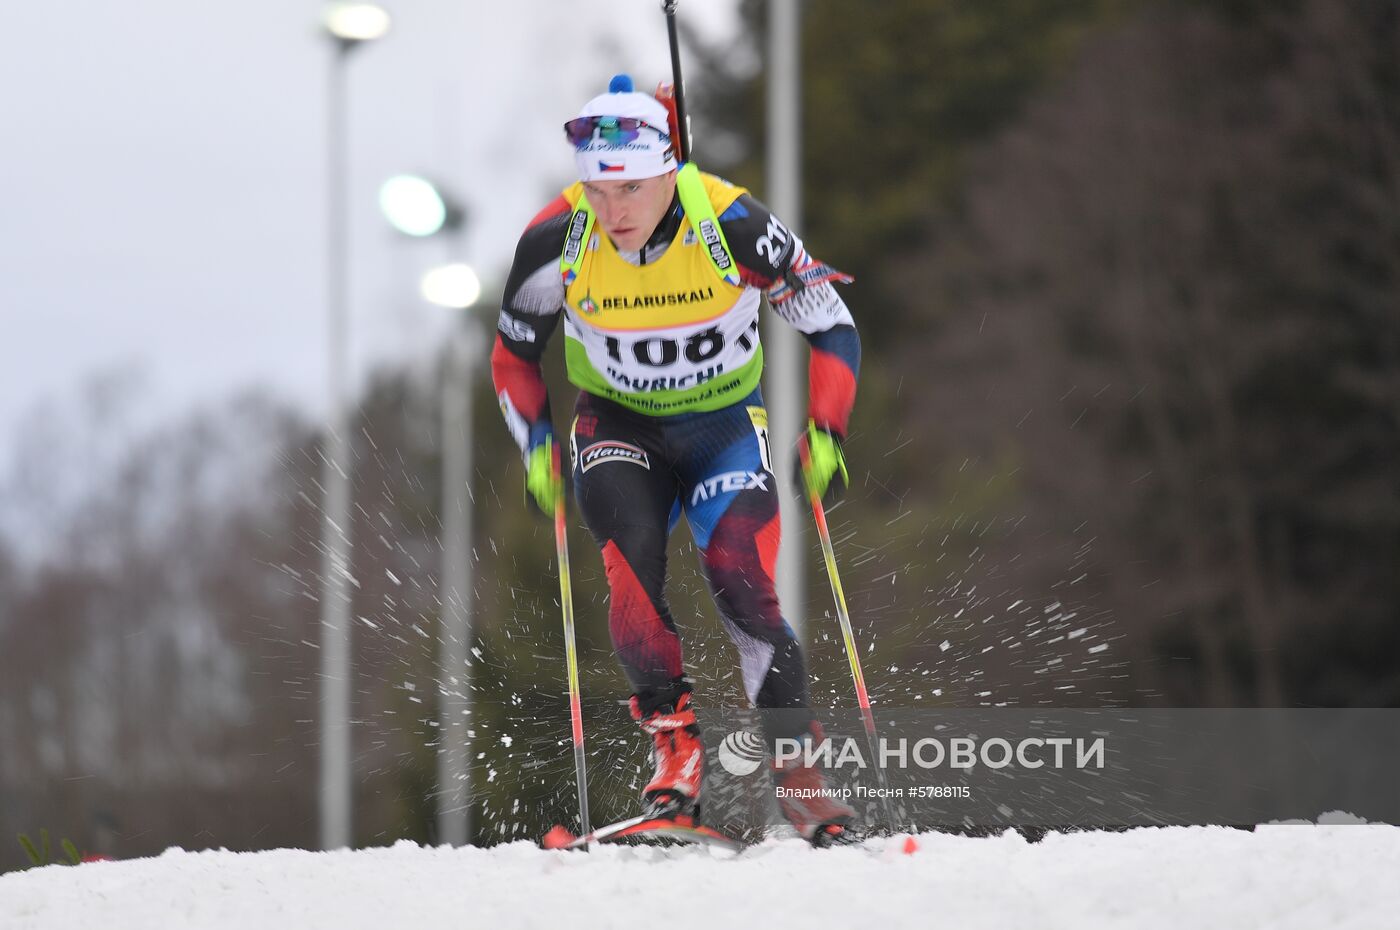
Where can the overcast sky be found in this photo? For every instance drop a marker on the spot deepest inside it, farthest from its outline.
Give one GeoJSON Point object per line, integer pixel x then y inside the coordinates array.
{"type": "Point", "coordinates": [163, 178]}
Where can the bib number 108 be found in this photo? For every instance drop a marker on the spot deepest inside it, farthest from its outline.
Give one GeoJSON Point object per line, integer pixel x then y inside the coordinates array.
{"type": "Point", "coordinates": [660, 352]}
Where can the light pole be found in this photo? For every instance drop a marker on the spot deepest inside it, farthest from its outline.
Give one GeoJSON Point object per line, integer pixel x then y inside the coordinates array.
{"type": "Point", "coordinates": [348, 25]}
{"type": "Point", "coordinates": [455, 286]}
{"type": "Point", "coordinates": [784, 180]}
{"type": "Point", "coordinates": [417, 207]}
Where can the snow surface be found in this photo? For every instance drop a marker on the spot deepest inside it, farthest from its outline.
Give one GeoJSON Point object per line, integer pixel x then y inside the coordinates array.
{"type": "Point", "coordinates": [1199, 877]}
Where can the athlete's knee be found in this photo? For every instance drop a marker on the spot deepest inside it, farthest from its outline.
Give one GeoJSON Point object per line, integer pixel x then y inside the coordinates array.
{"type": "Point", "coordinates": [745, 593]}
{"type": "Point", "coordinates": [745, 543]}
{"type": "Point", "coordinates": [635, 560]}
{"type": "Point", "coordinates": [637, 608]}
{"type": "Point", "coordinates": [755, 613]}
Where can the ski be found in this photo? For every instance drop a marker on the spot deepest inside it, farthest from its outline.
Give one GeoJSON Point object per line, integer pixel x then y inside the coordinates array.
{"type": "Point", "coordinates": [681, 829]}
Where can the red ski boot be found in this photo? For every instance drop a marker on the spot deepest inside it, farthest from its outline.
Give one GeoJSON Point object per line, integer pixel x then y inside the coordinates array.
{"type": "Point", "coordinates": [674, 789]}
{"type": "Point", "coordinates": [820, 818]}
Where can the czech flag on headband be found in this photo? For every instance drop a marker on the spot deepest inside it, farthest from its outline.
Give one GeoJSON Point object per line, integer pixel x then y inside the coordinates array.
{"type": "Point", "coordinates": [606, 166]}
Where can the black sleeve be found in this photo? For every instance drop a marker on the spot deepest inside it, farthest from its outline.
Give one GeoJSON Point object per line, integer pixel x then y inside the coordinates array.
{"type": "Point", "coordinates": [762, 244]}
{"type": "Point", "coordinates": [534, 291]}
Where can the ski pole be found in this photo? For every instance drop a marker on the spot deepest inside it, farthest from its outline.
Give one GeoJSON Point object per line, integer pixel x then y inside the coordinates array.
{"type": "Point", "coordinates": [561, 548]}
{"type": "Point", "coordinates": [682, 125]}
{"type": "Point", "coordinates": [843, 616]}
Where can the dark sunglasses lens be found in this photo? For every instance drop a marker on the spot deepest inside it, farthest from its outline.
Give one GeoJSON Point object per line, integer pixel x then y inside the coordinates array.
{"type": "Point", "coordinates": [580, 130]}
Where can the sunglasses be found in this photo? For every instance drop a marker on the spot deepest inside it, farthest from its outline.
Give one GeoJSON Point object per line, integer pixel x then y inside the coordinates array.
{"type": "Point", "coordinates": [614, 130]}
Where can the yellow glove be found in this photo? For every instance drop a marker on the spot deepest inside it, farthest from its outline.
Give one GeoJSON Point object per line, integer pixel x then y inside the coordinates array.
{"type": "Point", "coordinates": [544, 486]}
{"type": "Point", "coordinates": [825, 471]}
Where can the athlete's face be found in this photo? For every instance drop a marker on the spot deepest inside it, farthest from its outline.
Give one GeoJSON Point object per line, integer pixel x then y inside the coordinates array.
{"type": "Point", "coordinates": [629, 211]}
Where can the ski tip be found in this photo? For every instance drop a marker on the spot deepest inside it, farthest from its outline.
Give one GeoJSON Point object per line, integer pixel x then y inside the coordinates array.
{"type": "Point", "coordinates": [558, 837]}
{"type": "Point", "coordinates": [911, 846]}
{"type": "Point", "coordinates": [620, 84]}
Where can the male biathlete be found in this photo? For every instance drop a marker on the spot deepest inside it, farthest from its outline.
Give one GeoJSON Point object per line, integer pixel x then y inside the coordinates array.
{"type": "Point", "coordinates": [658, 271]}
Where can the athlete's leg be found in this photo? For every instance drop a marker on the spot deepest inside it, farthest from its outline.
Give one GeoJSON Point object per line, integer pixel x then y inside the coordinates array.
{"type": "Point", "coordinates": [731, 501]}
{"type": "Point", "coordinates": [627, 492]}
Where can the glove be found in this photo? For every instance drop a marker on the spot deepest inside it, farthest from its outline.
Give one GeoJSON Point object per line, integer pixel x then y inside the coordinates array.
{"type": "Point", "coordinates": [543, 484]}
{"type": "Point", "coordinates": [826, 475]}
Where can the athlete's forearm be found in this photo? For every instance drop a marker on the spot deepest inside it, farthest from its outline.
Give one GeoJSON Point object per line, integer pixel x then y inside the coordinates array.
{"type": "Point", "coordinates": [832, 375]}
{"type": "Point", "coordinates": [523, 397]}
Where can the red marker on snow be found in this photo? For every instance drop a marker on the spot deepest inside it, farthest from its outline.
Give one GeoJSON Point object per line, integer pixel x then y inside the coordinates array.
{"type": "Point", "coordinates": [557, 838]}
